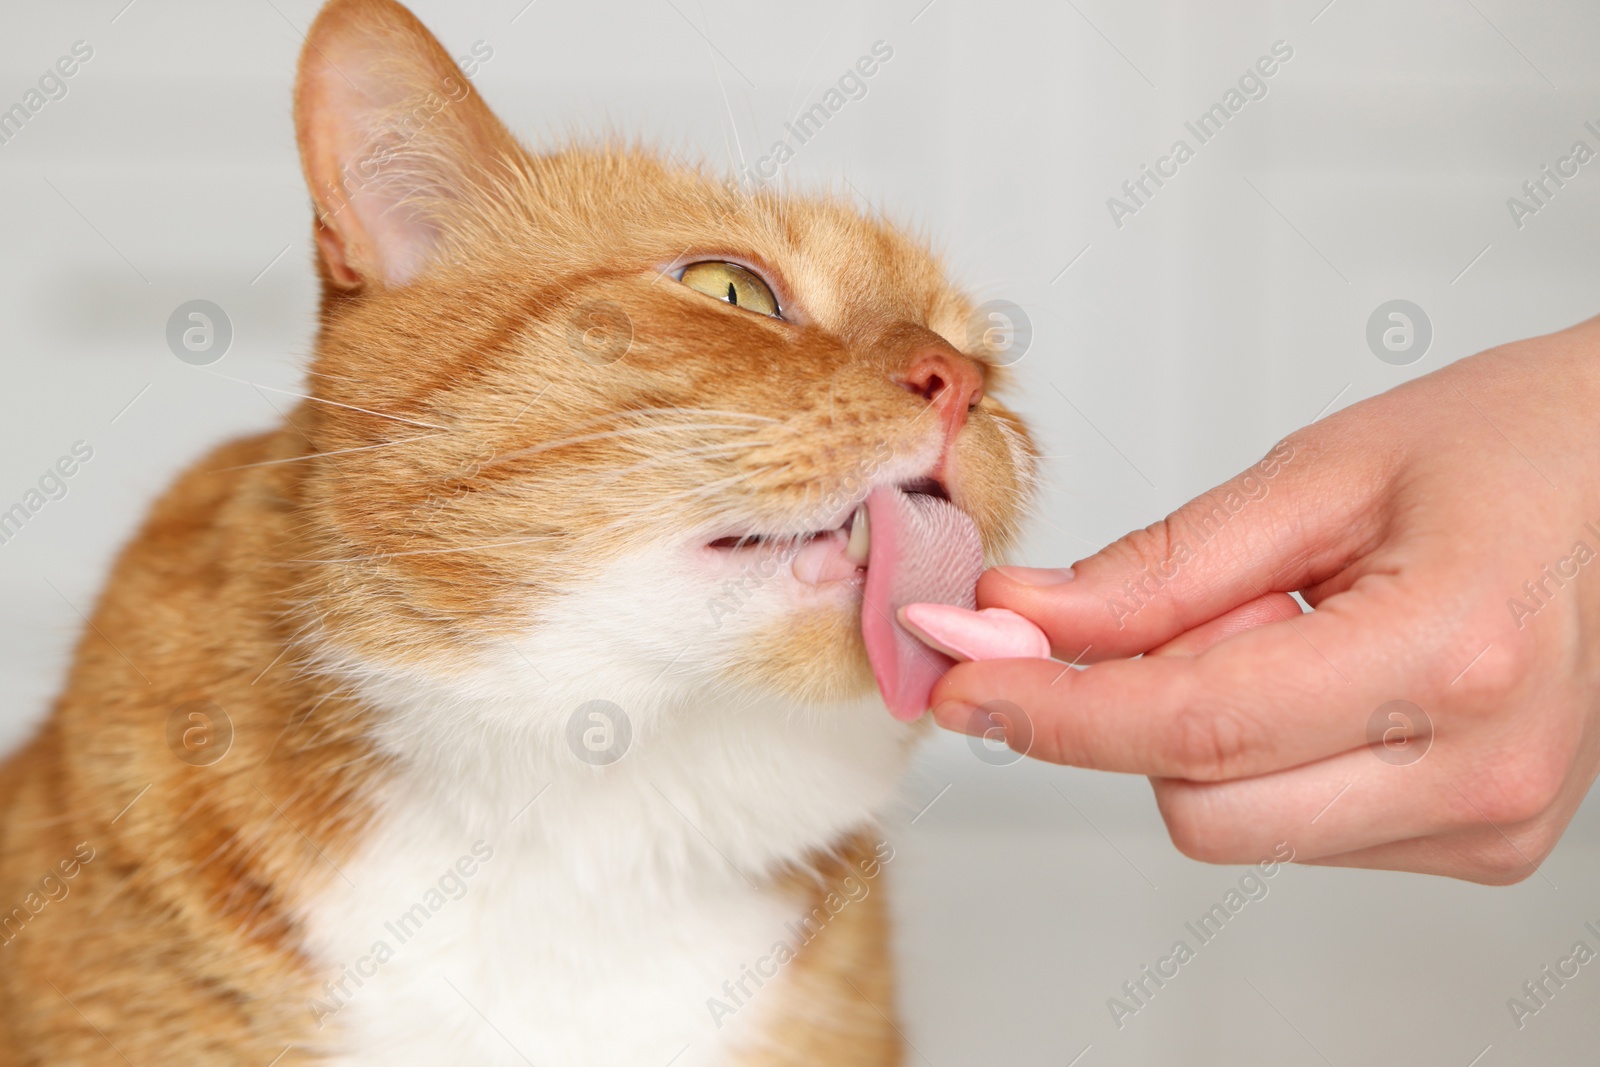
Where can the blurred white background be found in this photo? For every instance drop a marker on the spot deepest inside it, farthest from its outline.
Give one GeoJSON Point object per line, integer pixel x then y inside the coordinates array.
{"type": "Point", "coordinates": [1229, 310]}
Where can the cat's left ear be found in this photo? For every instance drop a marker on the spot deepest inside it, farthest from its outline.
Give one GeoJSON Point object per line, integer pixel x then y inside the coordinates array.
{"type": "Point", "coordinates": [392, 138]}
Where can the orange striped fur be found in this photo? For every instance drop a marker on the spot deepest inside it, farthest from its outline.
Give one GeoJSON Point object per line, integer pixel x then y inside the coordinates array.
{"type": "Point", "coordinates": [459, 476]}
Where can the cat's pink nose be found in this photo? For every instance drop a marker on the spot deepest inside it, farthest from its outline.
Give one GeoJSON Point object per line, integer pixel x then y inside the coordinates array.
{"type": "Point", "coordinates": [947, 380]}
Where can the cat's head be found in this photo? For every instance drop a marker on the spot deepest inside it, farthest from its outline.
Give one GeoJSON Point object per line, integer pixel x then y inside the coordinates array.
{"type": "Point", "coordinates": [595, 408]}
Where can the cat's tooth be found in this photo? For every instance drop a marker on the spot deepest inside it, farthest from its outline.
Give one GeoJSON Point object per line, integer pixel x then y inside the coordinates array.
{"type": "Point", "coordinates": [860, 539]}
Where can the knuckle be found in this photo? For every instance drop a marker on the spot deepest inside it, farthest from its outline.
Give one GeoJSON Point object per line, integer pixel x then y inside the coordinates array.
{"type": "Point", "coordinates": [1524, 789]}
{"type": "Point", "coordinates": [1497, 862]}
{"type": "Point", "coordinates": [1498, 671]}
{"type": "Point", "coordinates": [1148, 551]}
{"type": "Point", "coordinates": [1196, 845]}
{"type": "Point", "coordinates": [1539, 840]}
{"type": "Point", "coordinates": [1499, 867]}
{"type": "Point", "coordinates": [1056, 740]}
{"type": "Point", "coordinates": [1153, 545]}
{"type": "Point", "coordinates": [1211, 743]}
{"type": "Point", "coordinates": [1140, 567]}
{"type": "Point", "coordinates": [1190, 825]}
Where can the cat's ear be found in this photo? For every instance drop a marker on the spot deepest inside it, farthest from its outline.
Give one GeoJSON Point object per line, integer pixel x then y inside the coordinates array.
{"type": "Point", "coordinates": [391, 133]}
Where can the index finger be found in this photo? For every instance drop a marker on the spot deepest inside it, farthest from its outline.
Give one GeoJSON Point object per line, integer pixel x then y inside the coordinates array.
{"type": "Point", "coordinates": [1288, 522]}
{"type": "Point", "coordinates": [1277, 696]}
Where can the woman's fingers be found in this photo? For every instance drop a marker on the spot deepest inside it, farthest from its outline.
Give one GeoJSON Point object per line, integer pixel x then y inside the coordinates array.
{"type": "Point", "coordinates": [1281, 694]}
{"type": "Point", "coordinates": [1367, 798]}
{"type": "Point", "coordinates": [1291, 521]}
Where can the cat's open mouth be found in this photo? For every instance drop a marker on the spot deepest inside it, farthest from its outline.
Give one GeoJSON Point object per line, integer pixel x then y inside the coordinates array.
{"type": "Point", "coordinates": [903, 544]}
{"type": "Point", "coordinates": [854, 533]}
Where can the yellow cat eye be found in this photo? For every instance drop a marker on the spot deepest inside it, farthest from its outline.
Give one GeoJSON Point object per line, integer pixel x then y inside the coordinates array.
{"type": "Point", "coordinates": [733, 283]}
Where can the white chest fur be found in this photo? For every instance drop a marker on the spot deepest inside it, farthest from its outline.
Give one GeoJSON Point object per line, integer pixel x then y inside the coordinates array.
{"type": "Point", "coordinates": [517, 904]}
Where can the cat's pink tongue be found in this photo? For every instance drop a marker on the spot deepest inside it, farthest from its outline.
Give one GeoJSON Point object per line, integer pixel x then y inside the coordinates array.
{"type": "Point", "coordinates": [923, 549]}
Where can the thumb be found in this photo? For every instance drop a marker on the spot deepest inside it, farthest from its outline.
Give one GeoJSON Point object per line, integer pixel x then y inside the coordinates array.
{"type": "Point", "coordinates": [1287, 522]}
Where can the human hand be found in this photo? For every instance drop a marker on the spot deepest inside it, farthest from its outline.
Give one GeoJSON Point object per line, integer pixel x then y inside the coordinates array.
{"type": "Point", "coordinates": [1445, 534]}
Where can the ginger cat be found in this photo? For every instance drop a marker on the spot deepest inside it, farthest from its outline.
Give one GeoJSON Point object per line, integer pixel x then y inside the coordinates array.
{"type": "Point", "coordinates": [510, 703]}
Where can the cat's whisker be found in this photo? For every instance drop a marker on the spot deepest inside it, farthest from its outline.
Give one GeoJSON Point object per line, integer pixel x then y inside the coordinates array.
{"type": "Point", "coordinates": [670, 501]}
{"type": "Point", "coordinates": [702, 451]}
{"type": "Point", "coordinates": [381, 556]}
{"type": "Point", "coordinates": [698, 411]}
{"type": "Point", "coordinates": [600, 502]}
{"type": "Point", "coordinates": [728, 450]}
{"type": "Point", "coordinates": [716, 72]}
{"type": "Point", "coordinates": [651, 419]}
{"type": "Point", "coordinates": [627, 413]}
{"type": "Point", "coordinates": [335, 452]}
{"type": "Point", "coordinates": [325, 400]}
{"type": "Point", "coordinates": [606, 435]}
{"type": "Point", "coordinates": [293, 722]}
{"type": "Point", "coordinates": [731, 446]}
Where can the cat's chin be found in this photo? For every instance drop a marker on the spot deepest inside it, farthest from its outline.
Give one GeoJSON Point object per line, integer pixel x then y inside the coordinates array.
{"type": "Point", "coordinates": [815, 655]}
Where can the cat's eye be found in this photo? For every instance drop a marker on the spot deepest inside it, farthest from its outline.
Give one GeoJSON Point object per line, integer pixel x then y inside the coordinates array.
{"type": "Point", "coordinates": [733, 283]}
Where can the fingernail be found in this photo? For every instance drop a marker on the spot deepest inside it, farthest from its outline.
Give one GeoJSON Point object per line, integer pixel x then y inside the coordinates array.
{"type": "Point", "coordinates": [959, 716]}
{"type": "Point", "coordinates": [993, 633]}
{"type": "Point", "coordinates": [1037, 576]}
